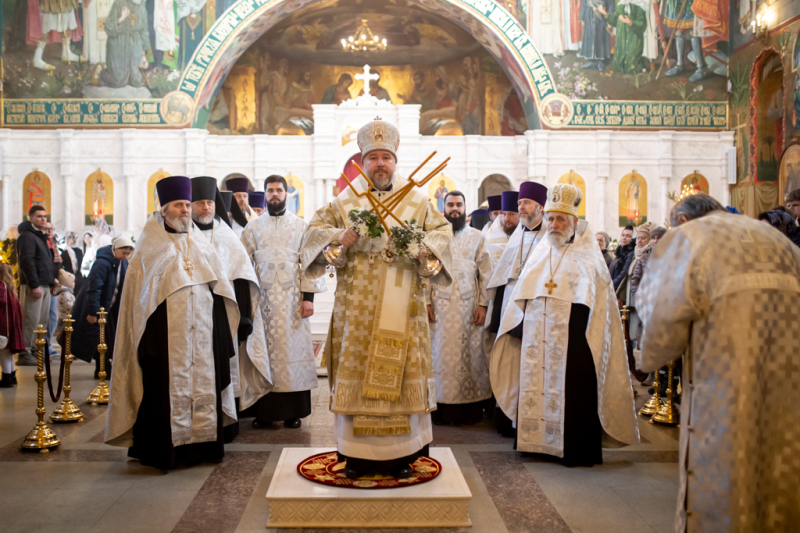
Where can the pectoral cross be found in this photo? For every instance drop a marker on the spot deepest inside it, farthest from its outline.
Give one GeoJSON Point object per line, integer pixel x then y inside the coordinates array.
{"type": "Point", "coordinates": [367, 77]}
{"type": "Point", "coordinates": [550, 286]}
{"type": "Point", "coordinates": [188, 267]}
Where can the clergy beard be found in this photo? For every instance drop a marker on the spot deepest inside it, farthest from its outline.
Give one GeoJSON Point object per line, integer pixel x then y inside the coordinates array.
{"type": "Point", "coordinates": [381, 183]}
{"type": "Point", "coordinates": [202, 219]}
{"type": "Point", "coordinates": [508, 230]}
{"type": "Point", "coordinates": [276, 209]}
{"type": "Point", "coordinates": [457, 220]}
{"type": "Point", "coordinates": [558, 238]}
{"type": "Point", "coordinates": [179, 224]}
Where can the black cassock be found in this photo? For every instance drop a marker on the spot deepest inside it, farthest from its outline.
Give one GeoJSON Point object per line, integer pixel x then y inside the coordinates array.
{"type": "Point", "coordinates": [582, 428]}
{"type": "Point", "coordinates": [152, 433]}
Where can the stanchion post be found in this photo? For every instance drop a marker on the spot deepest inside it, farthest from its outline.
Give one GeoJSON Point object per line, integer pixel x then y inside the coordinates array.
{"type": "Point", "coordinates": [41, 438]}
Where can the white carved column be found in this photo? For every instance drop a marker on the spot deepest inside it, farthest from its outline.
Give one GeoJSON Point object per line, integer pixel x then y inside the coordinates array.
{"type": "Point", "coordinates": [324, 153]}
{"type": "Point", "coordinates": [260, 162]}
{"type": "Point", "coordinates": [409, 156]}
{"type": "Point", "coordinates": [5, 180]}
{"type": "Point", "coordinates": [135, 192]}
{"type": "Point", "coordinates": [726, 142]}
{"type": "Point", "coordinates": [195, 151]}
{"type": "Point", "coordinates": [538, 157]}
{"type": "Point", "coordinates": [665, 171]}
{"type": "Point", "coordinates": [68, 197]}
{"type": "Point", "coordinates": [473, 156]}
{"type": "Point", "coordinates": [603, 171]}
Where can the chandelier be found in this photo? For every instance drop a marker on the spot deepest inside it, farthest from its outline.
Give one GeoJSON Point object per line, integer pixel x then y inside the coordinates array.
{"type": "Point", "coordinates": [363, 40]}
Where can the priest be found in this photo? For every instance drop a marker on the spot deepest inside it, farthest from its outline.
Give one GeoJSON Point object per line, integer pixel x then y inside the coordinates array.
{"type": "Point", "coordinates": [457, 313]}
{"type": "Point", "coordinates": [257, 202]}
{"type": "Point", "coordinates": [495, 231]}
{"type": "Point", "coordinates": [287, 302]}
{"type": "Point", "coordinates": [240, 212]}
{"type": "Point", "coordinates": [378, 350]}
{"type": "Point", "coordinates": [171, 389]}
{"type": "Point", "coordinates": [568, 381]}
{"type": "Point", "coordinates": [250, 373]}
{"type": "Point", "coordinates": [227, 198]}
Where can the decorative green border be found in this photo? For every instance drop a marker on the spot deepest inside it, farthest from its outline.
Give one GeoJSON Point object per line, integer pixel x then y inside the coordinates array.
{"type": "Point", "coordinates": [43, 113]}
{"type": "Point", "coordinates": [680, 115]}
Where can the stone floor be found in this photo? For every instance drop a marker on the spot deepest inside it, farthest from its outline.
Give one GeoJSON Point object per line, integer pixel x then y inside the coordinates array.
{"type": "Point", "coordinates": [85, 485]}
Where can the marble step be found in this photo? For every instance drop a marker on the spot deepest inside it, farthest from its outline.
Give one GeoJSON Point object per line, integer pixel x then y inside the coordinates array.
{"type": "Point", "coordinates": [295, 502]}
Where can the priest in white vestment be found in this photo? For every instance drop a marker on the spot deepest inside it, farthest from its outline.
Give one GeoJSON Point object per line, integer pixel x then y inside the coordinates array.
{"type": "Point", "coordinates": [250, 373]}
{"type": "Point", "coordinates": [378, 350]}
{"type": "Point", "coordinates": [721, 290]}
{"type": "Point", "coordinates": [457, 314]}
{"type": "Point", "coordinates": [496, 232]}
{"type": "Point", "coordinates": [567, 380]}
{"type": "Point", "coordinates": [171, 390]}
{"type": "Point", "coordinates": [287, 302]}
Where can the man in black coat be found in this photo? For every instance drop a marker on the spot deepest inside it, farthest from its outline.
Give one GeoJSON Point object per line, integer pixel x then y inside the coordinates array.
{"type": "Point", "coordinates": [35, 278]}
{"type": "Point", "coordinates": [102, 288]}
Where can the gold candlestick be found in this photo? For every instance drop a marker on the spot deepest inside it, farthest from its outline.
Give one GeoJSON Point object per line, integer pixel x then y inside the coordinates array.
{"type": "Point", "coordinates": [67, 411]}
{"type": "Point", "coordinates": [99, 395]}
{"type": "Point", "coordinates": [652, 405]}
{"type": "Point", "coordinates": [41, 438]}
{"type": "Point", "coordinates": [668, 413]}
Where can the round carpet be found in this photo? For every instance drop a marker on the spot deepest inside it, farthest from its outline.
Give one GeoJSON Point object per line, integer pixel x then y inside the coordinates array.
{"type": "Point", "coordinates": [325, 468]}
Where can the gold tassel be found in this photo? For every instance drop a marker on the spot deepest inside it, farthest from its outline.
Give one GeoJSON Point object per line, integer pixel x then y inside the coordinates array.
{"type": "Point", "coordinates": [382, 432]}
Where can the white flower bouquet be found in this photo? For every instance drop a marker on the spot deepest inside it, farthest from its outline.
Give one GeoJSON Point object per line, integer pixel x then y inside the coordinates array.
{"type": "Point", "coordinates": [365, 223]}
{"type": "Point", "coordinates": [405, 241]}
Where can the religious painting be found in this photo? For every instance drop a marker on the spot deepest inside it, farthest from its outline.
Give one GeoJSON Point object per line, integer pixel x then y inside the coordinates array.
{"type": "Point", "coordinates": [789, 175]}
{"type": "Point", "coordinates": [493, 185]}
{"type": "Point", "coordinates": [99, 196]}
{"type": "Point", "coordinates": [632, 200]}
{"type": "Point", "coordinates": [695, 181]}
{"type": "Point", "coordinates": [438, 188]}
{"type": "Point", "coordinates": [152, 193]}
{"type": "Point", "coordinates": [295, 195]}
{"type": "Point", "coordinates": [574, 179]}
{"type": "Point", "coordinates": [35, 191]}
{"type": "Point", "coordinates": [769, 117]}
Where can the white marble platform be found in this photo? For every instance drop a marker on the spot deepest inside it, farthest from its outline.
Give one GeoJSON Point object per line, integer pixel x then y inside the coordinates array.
{"type": "Point", "coordinates": [297, 502]}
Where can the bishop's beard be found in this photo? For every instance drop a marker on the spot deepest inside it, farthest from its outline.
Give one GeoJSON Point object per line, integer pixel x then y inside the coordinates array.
{"type": "Point", "coordinates": [276, 209]}
{"type": "Point", "coordinates": [457, 220]}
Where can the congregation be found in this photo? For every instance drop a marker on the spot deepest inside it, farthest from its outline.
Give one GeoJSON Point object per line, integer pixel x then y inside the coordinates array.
{"type": "Point", "coordinates": [517, 312]}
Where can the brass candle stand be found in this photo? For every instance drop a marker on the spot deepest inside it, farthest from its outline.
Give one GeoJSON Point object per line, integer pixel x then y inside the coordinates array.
{"type": "Point", "coordinates": [99, 395]}
{"type": "Point", "coordinates": [67, 411]}
{"type": "Point", "coordinates": [41, 438]}
{"type": "Point", "coordinates": [652, 405]}
{"type": "Point", "coordinates": [668, 413]}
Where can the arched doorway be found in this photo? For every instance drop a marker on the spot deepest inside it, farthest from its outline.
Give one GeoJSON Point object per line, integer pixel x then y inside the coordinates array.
{"type": "Point", "coordinates": [493, 185]}
{"type": "Point", "coordinates": [233, 175]}
{"type": "Point", "coordinates": [766, 126]}
{"type": "Point", "coordinates": [246, 20]}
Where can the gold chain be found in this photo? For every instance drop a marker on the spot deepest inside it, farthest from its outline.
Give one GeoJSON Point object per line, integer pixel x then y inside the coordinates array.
{"type": "Point", "coordinates": [553, 273]}
{"type": "Point", "coordinates": [187, 265]}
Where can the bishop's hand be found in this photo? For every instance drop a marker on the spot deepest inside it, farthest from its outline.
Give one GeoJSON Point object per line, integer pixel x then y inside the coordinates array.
{"type": "Point", "coordinates": [348, 238]}
{"type": "Point", "coordinates": [423, 252]}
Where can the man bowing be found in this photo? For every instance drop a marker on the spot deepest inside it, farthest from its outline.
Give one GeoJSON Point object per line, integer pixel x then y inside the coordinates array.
{"type": "Point", "coordinates": [569, 380]}
{"type": "Point", "coordinates": [170, 386]}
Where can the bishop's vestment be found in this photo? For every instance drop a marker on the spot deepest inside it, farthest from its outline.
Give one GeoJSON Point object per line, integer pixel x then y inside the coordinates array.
{"type": "Point", "coordinates": [496, 239]}
{"type": "Point", "coordinates": [462, 375]}
{"type": "Point", "coordinates": [378, 350]}
{"type": "Point", "coordinates": [722, 291]}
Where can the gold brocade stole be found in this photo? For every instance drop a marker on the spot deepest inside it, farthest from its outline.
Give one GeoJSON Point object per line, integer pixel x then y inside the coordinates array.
{"type": "Point", "coordinates": [395, 310]}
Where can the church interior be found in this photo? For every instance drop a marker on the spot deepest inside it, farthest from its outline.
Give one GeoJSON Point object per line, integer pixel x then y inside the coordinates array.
{"type": "Point", "coordinates": [636, 104]}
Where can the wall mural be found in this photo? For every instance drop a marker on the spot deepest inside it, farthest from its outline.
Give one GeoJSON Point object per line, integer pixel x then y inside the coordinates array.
{"type": "Point", "coordinates": [99, 203]}
{"type": "Point", "coordinates": [295, 195]}
{"type": "Point", "coordinates": [438, 188]}
{"type": "Point", "coordinates": [695, 181]}
{"type": "Point", "coordinates": [575, 179]}
{"type": "Point", "coordinates": [632, 200]}
{"type": "Point", "coordinates": [152, 193]}
{"type": "Point", "coordinates": [35, 191]}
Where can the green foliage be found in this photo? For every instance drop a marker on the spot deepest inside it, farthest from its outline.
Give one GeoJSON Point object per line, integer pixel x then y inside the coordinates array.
{"type": "Point", "coordinates": [365, 223]}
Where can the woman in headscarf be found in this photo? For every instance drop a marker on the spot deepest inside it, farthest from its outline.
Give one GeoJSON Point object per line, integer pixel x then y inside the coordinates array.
{"type": "Point", "coordinates": [603, 240]}
{"type": "Point", "coordinates": [783, 222]}
{"type": "Point", "coordinates": [72, 256]}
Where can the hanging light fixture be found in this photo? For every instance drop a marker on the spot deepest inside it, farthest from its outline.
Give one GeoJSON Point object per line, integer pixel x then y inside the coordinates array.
{"type": "Point", "coordinates": [363, 40]}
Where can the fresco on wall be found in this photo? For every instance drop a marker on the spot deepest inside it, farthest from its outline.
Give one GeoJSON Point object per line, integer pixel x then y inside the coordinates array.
{"type": "Point", "coordinates": [152, 193]}
{"type": "Point", "coordinates": [789, 174]}
{"type": "Point", "coordinates": [99, 204]}
{"type": "Point", "coordinates": [575, 179]}
{"type": "Point", "coordinates": [696, 182]}
{"type": "Point", "coordinates": [295, 195]}
{"type": "Point", "coordinates": [35, 191]}
{"type": "Point", "coordinates": [438, 188]}
{"type": "Point", "coordinates": [632, 200]}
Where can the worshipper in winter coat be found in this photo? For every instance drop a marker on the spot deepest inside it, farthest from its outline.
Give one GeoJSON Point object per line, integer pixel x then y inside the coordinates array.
{"type": "Point", "coordinates": [720, 291]}
{"type": "Point", "coordinates": [783, 222]}
{"type": "Point", "coordinates": [103, 288]}
{"type": "Point", "coordinates": [641, 264]}
{"type": "Point", "coordinates": [603, 240]}
{"type": "Point", "coordinates": [10, 326]}
{"type": "Point", "coordinates": [623, 275]}
{"type": "Point", "coordinates": [625, 249]}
